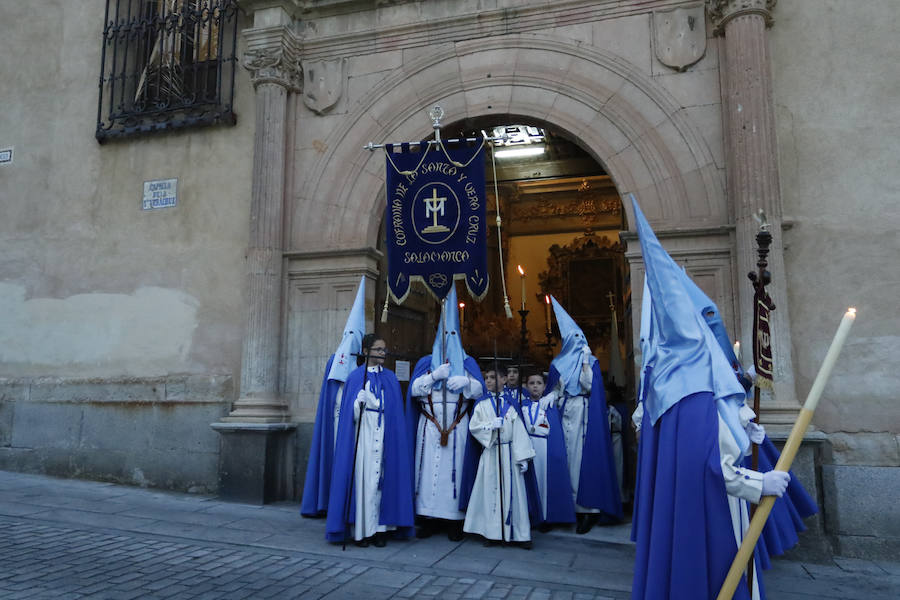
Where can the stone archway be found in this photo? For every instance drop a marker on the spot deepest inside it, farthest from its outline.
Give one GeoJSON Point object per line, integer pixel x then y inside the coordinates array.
{"type": "Point", "coordinates": [626, 121]}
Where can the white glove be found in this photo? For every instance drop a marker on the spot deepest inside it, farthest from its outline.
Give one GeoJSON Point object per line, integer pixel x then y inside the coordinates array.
{"type": "Point", "coordinates": [756, 432]}
{"type": "Point", "coordinates": [455, 383]}
{"type": "Point", "coordinates": [497, 423]}
{"type": "Point", "coordinates": [442, 372]}
{"type": "Point", "coordinates": [368, 398]}
{"type": "Point", "coordinates": [586, 356]}
{"type": "Point", "coordinates": [548, 399]}
{"type": "Point", "coordinates": [774, 483]}
{"type": "Point", "coordinates": [523, 466]}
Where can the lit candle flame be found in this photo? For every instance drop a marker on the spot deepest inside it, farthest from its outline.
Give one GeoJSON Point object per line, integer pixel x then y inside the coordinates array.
{"type": "Point", "coordinates": [521, 270]}
{"type": "Point", "coordinates": [547, 299]}
{"type": "Point", "coordinates": [851, 310]}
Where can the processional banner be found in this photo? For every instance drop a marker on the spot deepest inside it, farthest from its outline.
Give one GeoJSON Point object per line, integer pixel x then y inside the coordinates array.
{"type": "Point", "coordinates": [436, 230]}
{"type": "Point", "coordinates": [762, 340]}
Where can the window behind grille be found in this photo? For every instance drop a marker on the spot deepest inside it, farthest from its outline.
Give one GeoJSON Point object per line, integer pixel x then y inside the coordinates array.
{"type": "Point", "coordinates": [166, 64]}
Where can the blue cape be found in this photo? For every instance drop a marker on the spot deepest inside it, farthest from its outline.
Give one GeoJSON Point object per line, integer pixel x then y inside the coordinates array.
{"type": "Point", "coordinates": [396, 492]}
{"type": "Point", "coordinates": [473, 448]}
{"type": "Point", "coordinates": [321, 452]}
{"type": "Point", "coordinates": [560, 505]}
{"type": "Point", "coordinates": [681, 522]}
{"type": "Point", "coordinates": [598, 485]}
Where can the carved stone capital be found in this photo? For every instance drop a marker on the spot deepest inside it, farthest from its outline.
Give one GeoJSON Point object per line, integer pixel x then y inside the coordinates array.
{"type": "Point", "coordinates": [722, 11]}
{"type": "Point", "coordinates": [273, 65]}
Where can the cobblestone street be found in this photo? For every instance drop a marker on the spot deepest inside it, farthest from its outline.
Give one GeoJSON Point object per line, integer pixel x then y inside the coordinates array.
{"type": "Point", "coordinates": [76, 539]}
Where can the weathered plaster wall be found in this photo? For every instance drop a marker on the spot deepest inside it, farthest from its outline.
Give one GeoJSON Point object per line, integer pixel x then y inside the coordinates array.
{"type": "Point", "coordinates": [838, 125]}
{"type": "Point", "coordinates": [93, 287]}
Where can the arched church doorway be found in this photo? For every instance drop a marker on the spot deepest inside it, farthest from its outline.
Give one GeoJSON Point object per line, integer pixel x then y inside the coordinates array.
{"type": "Point", "coordinates": [561, 216]}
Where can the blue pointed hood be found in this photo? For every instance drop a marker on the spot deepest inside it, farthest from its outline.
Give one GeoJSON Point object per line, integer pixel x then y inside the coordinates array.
{"type": "Point", "coordinates": [684, 357]}
{"type": "Point", "coordinates": [568, 362]}
{"type": "Point", "coordinates": [710, 313]}
{"type": "Point", "coordinates": [448, 328]}
{"type": "Point", "coordinates": [351, 342]}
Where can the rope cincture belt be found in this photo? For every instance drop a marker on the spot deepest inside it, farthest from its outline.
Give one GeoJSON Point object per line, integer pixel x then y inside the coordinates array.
{"type": "Point", "coordinates": [445, 434]}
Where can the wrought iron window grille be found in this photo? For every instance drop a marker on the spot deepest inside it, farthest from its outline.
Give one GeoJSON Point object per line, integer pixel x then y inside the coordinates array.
{"type": "Point", "coordinates": [166, 64]}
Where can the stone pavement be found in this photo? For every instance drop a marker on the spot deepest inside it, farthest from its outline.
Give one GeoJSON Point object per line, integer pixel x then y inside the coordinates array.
{"type": "Point", "coordinates": [78, 539]}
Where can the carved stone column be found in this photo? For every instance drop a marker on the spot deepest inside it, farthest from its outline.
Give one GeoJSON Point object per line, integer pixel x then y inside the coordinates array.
{"type": "Point", "coordinates": [272, 59]}
{"type": "Point", "coordinates": [752, 173]}
{"type": "Point", "coordinates": [257, 449]}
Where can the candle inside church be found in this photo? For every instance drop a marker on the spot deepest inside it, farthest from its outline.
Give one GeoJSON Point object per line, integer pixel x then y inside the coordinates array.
{"type": "Point", "coordinates": [522, 273]}
{"type": "Point", "coordinates": [831, 357]}
{"type": "Point", "coordinates": [547, 311]}
{"type": "Point", "coordinates": [462, 314]}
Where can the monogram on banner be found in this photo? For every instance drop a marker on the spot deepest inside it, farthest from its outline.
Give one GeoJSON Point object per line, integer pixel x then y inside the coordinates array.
{"type": "Point", "coordinates": [436, 218]}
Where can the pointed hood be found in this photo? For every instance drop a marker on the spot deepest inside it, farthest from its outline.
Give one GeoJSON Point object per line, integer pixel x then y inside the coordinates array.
{"type": "Point", "coordinates": [568, 361]}
{"type": "Point", "coordinates": [448, 329]}
{"type": "Point", "coordinates": [351, 342]}
{"type": "Point", "coordinates": [684, 358]}
{"type": "Point", "coordinates": [708, 310]}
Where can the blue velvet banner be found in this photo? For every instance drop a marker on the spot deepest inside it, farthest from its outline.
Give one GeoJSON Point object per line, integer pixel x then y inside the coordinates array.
{"type": "Point", "coordinates": [436, 230]}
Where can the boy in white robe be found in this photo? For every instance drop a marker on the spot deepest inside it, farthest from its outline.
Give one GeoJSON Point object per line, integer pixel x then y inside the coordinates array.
{"type": "Point", "coordinates": [498, 507]}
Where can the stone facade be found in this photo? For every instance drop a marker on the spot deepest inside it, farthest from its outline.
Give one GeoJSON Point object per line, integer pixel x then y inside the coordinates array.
{"type": "Point", "coordinates": [706, 112]}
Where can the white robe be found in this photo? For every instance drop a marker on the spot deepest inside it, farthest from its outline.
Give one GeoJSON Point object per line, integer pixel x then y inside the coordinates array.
{"type": "Point", "coordinates": [484, 514]}
{"type": "Point", "coordinates": [439, 468]}
{"type": "Point", "coordinates": [743, 485]}
{"type": "Point", "coordinates": [538, 428]}
{"type": "Point", "coordinates": [574, 413]}
{"type": "Point", "coordinates": [369, 455]}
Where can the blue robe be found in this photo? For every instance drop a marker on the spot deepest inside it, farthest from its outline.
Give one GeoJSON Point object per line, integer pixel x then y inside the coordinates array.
{"type": "Point", "coordinates": [396, 488]}
{"type": "Point", "coordinates": [560, 505]}
{"type": "Point", "coordinates": [681, 522]}
{"type": "Point", "coordinates": [598, 485]}
{"type": "Point", "coordinates": [321, 452]}
{"type": "Point", "coordinates": [786, 519]}
{"type": "Point", "coordinates": [472, 450]}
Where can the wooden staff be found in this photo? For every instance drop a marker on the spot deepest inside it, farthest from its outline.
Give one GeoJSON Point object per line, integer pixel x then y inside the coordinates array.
{"type": "Point", "coordinates": [745, 552]}
{"type": "Point", "coordinates": [499, 445]}
{"type": "Point", "coordinates": [762, 364]}
{"type": "Point", "coordinates": [362, 408]}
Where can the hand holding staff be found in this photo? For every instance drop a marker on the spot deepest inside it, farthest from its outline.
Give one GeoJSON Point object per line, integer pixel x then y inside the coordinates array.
{"type": "Point", "coordinates": [787, 457]}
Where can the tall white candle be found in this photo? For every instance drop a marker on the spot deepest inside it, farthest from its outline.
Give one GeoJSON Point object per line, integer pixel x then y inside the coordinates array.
{"type": "Point", "coordinates": [831, 357]}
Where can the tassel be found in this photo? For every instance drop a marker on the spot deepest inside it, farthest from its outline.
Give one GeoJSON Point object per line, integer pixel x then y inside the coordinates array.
{"type": "Point", "coordinates": [384, 311]}
{"type": "Point", "coordinates": [506, 307]}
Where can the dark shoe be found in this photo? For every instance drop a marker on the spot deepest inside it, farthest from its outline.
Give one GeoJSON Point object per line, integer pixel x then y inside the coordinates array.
{"type": "Point", "coordinates": [423, 531]}
{"type": "Point", "coordinates": [586, 522]}
{"type": "Point", "coordinates": [525, 545]}
{"type": "Point", "coordinates": [545, 527]}
{"type": "Point", "coordinates": [380, 540]}
{"type": "Point", "coordinates": [455, 531]}
{"type": "Point", "coordinates": [363, 543]}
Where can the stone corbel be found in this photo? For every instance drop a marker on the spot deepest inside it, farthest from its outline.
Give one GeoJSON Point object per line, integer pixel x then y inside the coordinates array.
{"type": "Point", "coordinates": [722, 11]}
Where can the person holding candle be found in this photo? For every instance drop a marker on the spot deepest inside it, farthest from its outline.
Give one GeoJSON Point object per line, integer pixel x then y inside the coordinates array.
{"type": "Point", "coordinates": [691, 486]}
